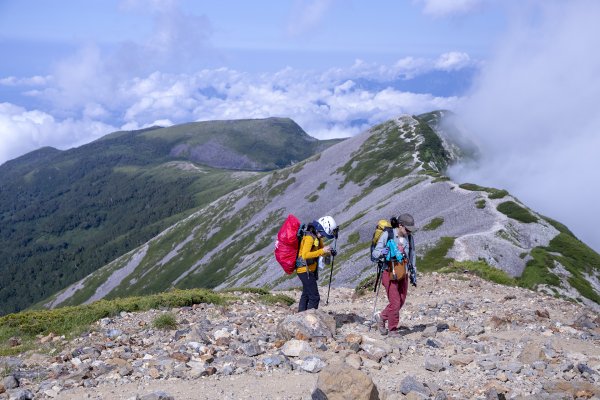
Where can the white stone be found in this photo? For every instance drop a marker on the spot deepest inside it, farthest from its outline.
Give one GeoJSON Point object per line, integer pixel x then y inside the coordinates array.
{"type": "Point", "coordinates": [295, 347]}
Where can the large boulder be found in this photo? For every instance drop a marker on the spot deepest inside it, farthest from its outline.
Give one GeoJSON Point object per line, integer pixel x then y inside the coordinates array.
{"type": "Point", "coordinates": [340, 381]}
{"type": "Point", "coordinates": [307, 325]}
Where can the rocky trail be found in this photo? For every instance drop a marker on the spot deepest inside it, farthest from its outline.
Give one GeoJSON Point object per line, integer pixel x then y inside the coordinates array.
{"type": "Point", "coordinates": [462, 338]}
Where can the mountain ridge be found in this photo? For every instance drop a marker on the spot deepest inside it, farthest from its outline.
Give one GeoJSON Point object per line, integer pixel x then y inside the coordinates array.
{"type": "Point", "coordinates": [394, 167]}
{"type": "Point", "coordinates": [65, 213]}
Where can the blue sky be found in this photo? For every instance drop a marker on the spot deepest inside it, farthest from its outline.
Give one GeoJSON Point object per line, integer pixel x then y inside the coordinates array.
{"type": "Point", "coordinates": [521, 74]}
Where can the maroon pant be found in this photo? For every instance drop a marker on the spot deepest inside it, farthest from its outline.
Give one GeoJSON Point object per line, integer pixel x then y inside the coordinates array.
{"type": "Point", "coordinates": [396, 293]}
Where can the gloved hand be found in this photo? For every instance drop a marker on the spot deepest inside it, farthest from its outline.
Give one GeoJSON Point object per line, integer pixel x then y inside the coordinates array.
{"type": "Point", "coordinates": [385, 252]}
{"type": "Point", "coordinates": [333, 252]}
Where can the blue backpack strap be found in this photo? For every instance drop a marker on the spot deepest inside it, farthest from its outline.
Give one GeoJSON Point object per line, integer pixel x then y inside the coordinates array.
{"type": "Point", "coordinates": [394, 252]}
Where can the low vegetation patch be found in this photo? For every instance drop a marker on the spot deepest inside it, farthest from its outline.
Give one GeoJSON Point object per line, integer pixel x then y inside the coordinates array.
{"type": "Point", "coordinates": [365, 285]}
{"type": "Point", "coordinates": [73, 320]}
{"type": "Point", "coordinates": [239, 290]}
{"type": "Point", "coordinates": [577, 258]}
{"type": "Point", "coordinates": [353, 238]}
{"type": "Point", "coordinates": [435, 258]}
{"type": "Point", "coordinates": [165, 321]}
{"type": "Point", "coordinates": [276, 298]}
{"type": "Point", "coordinates": [481, 269]}
{"type": "Point", "coordinates": [558, 226]}
{"type": "Point", "coordinates": [434, 224]}
{"type": "Point", "coordinates": [480, 203]}
{"type": "Point", "coordinates": [515, 211]}
{"type": "Point", "coordinates": [493, 192]}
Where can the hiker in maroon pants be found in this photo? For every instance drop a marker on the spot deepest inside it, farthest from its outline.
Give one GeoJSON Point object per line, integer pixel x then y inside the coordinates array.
{"type": "Point", "coordinates": [396, 289]}
{"type": "Point", "coordinates": [396, 292]}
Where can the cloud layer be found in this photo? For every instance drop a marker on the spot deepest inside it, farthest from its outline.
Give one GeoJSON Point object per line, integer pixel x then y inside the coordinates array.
{"type": "Point", "coordinates": [86, 98]}
{"type": "Point", "coordinates": [535, 116]}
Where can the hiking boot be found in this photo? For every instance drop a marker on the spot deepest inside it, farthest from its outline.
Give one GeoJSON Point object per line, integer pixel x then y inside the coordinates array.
{"type": "Point", "coordinates": [381, 324]}
{"type": "Point", "coordinates": [394, 333]}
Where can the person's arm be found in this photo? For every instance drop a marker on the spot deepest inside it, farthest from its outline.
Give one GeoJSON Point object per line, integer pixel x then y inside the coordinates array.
{"type": "Point", "coordinates": [306, 246]}
{"type": "Point", "coordinates": [413, 253]}
{"type": "Point", "coordinates": [380, 244]}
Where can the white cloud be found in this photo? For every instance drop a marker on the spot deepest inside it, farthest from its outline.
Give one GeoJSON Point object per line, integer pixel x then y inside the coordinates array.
{"type": "Point", "coordinates": [306, 15]}
{"type": "Point", "coordinates": [453, 61]}
{"type": "Point", "coordinates": [29, 81]}
{"type": "Point", "coordinates": [143, 84]}
{"type": "Point", "coordinates": [444, 8]}
{"type": "Point", "coordinates": [534, 111]}
{"type": "Point", "coordinates": [24, 130]}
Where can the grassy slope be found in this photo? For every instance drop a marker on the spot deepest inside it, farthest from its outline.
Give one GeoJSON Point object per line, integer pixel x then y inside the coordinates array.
{"type": "Point", "coordinates": [368, 167]}
{"type": "Point", "coordinates": [65, 214]}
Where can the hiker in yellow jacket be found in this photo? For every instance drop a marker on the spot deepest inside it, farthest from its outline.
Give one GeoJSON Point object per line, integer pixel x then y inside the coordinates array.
{"type": "Point", "coordinates": [311, 248]}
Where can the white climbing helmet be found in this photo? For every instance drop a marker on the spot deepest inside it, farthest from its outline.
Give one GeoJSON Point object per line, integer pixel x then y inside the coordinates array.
{"type": "Point", "coordinates": [329, 226]}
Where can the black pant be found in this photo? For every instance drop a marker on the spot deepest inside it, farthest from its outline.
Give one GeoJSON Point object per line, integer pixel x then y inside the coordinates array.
{"type": "Point", "coordinates": [310, 291]}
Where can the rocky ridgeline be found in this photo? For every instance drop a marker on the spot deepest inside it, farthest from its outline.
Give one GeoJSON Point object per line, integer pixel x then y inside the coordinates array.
{"type": "Point", "coordinates": [462, 338]}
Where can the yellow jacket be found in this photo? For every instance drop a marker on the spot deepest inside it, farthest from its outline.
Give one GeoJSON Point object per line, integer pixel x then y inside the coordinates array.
{"type": "Point", "coordinates": [311, 248]}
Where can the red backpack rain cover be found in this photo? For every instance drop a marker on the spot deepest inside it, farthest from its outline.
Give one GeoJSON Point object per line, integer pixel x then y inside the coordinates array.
{"type": "Point", "coordinates": [286, 246]}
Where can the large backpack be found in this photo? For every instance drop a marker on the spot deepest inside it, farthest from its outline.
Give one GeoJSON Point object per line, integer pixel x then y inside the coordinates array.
{"type": "Point", "coordinates": [288, 243]}
{"type": "Point", "coordinates": [382, 225]}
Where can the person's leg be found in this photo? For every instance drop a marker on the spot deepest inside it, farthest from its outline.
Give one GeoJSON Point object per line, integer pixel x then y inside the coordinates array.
{"type": "Point", "coordinates": [313, 291]}
{"type": "Point", "coordinates": [391, 289]}
{"type": "Point", "coordinates": [391, 312]}
{"type": "Point", "coordinates": [303, 304]}
{"type": "Point", "coordinates": [403, 288]}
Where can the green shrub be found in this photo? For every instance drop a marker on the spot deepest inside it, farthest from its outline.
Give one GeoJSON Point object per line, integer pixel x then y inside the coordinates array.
{"type": "Point", "coordinates": [496, 194]}
{"type": "Point", "coordinates": [276, 299]}
{"type": "Point", "coordinates": [260, 291]}
{"type": "Point", "coordinates": [313, 198]}
{"type": "Point", "coordinates": [480, 203]}
{"type": "Point", "coordinates": [76, 319]}
{"type": "Point", "coordinates": [515, 211]}
{"type": "Point", "coordinates": [538, 270]}
{"type": "Point", "coordinates": [353, 238]}
{"type": "Point", "coordinates": [365, 285]}
{"type": "Point", "coordinates": [558, 226]}
{"type": "Point", "coordinates": [435, 258]}
{"type": "Point", "coordinates": [577, 258]}
{"type": "Point", "coordinates": [165, 321]}
{"type": "Point", "coordinates": [493, 192]}
{"type": "Point", "coordinates": [434, 224]}
{"type": "Point", "coordinates": [483, 270]}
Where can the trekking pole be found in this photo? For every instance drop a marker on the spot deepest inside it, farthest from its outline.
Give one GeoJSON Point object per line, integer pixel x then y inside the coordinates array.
{"type": "Point", "coordinates": [332, 261]}
{"type": "Point", "coordinates": [376, 295]}
{"type": "Point", "coordinates": [377, 277]}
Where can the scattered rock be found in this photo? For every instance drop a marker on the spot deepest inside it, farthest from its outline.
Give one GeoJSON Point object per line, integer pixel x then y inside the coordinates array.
{"type": "Point", "coordinates": [158, 395]}
{"type": "Point", "coordinates": [251, 349]}
{"type": "Point", "coordinates": [410, 384]}
{"type": "Point", "coordinates": [430, 331]}
{"type": "Point", "coordinates": [354, 360]}
{"type": "Point", "coordinates": [374, 349]}
{"type": "Point", "coordinates": [434, 364]}
{"type": "Point", "coordinates": [10, 382]}
{"type": "Point", "coordinates": [530, 353]}
{"type": "Point", "coordinates": [179, 356]}
{"type": "Point", "coordinates": [542, 313]}
{"type": "Point", "coordinates": [461, 360]}
{"type": "Point", "coordinates": [295, 348]}
{"type": "Point", "coordinates": [307, 325]}
{"type": "Point", "coordinates": [340, 382]}
{"type": "Point", "coordinates": [22, 394]}
{"type": "Point", "coordinates": [311, 364]}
